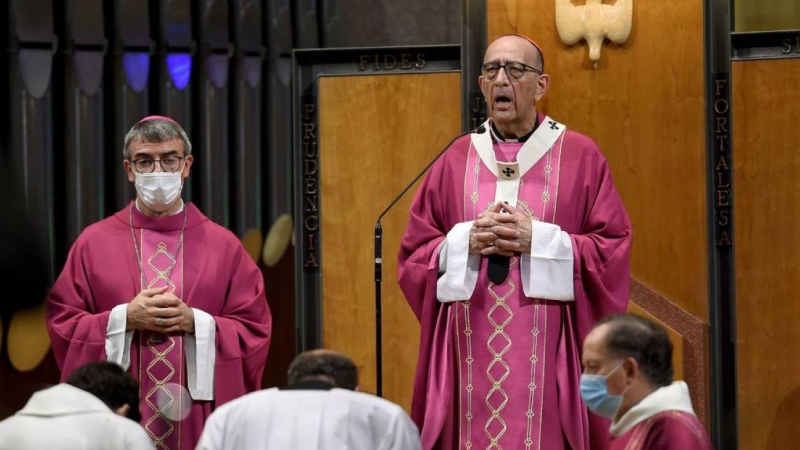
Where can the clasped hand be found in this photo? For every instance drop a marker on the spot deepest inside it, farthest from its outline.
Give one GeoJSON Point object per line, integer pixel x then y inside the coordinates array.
{"type": "Point", "coordinates": [156, 309]}
{"type": "Point", "coordinates": [503, 233]}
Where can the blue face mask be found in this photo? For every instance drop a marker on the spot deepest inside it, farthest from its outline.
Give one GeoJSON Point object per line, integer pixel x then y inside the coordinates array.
{"type": "Point", "coordinates": [594, 391]}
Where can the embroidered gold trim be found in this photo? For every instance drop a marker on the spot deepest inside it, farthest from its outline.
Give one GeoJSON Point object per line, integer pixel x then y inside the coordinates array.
{"type": "Point", "coordinates": [161, 357]}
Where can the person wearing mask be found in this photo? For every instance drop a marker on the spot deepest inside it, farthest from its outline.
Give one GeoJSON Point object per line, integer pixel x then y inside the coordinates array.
{"type": "Point", "coordinates": [166, 293]}
{"type": "Point", "coordinates": [627, 377]}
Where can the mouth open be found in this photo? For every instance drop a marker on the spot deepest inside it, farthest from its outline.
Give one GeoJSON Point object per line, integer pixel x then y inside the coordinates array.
{"type": "Point", "coordinates": [502, 102]}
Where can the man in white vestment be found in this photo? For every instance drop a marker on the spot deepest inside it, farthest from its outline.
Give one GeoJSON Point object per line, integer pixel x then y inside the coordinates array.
{"type": "Point", "coordinates": [318, 410]}
{"type": "Point", "coordinates": [96, 409]}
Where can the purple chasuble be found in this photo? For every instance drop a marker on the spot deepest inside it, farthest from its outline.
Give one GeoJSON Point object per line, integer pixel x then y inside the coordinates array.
{"type": "Point", "coordinates": [668, 430]}
{"type": "Point", "coordinates": [501, 370]}
{"type": "Point", "coordinates": [505, 395]}
{"type": "Point", "coordinates": [209, 271]}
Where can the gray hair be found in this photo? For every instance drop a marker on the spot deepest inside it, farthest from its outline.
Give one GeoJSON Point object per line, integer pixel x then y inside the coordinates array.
{"type": "Point", "coordinates": [155, 131]}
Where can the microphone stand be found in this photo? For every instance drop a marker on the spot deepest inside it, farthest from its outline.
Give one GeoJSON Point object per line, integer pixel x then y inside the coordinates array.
{"type": "Point", "coordinates": [379, 263]}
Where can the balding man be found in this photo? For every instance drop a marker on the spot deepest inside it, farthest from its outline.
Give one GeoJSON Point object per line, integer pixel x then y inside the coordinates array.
{"type": "Point", "coordinates": [517, 244]}
{"type": "Point", "coordinates": [627, 377]}
{"type": "Point", "coordinates": [318, 410]}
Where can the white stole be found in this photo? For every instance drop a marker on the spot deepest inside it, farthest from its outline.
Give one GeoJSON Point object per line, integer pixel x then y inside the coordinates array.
{"type": "Point", "coordinates": [508, 173]}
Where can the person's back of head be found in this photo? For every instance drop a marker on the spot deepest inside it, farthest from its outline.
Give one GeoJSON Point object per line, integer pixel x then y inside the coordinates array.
{"type": "Point", "coordinates": [317, 410]}
{"type": "Point", "coordinates": [324, 365]}
{"type": "Point", "coordinates": [634, 336]}
{"type": "Point", "coordinates": [111, 384]}
{"type": "Point", "coordinates": [84, 413]}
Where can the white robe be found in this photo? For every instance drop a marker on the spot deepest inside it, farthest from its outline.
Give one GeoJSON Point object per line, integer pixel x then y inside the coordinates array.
{"type": "Point", "coordinates": [337, 419]}
{"type": "Point", "coordinates": [64, 417]}
{"type": "Point", "coordinates": [674, 397]}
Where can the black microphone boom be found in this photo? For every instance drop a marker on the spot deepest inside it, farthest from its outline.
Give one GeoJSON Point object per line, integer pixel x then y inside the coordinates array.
{"type": "Point", "coordinates": [379, 262]}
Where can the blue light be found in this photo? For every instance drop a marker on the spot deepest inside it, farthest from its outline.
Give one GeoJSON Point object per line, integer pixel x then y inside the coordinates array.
{"type": "Point", "coordinates": [179, 66]}
{"type": "Point", "coordinates": [137, 69]}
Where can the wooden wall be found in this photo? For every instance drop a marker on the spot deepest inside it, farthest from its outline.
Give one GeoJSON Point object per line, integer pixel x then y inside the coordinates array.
{"type": "Point", "coordinates": [766, 164]}
{"type": "Point", "coordinates": [766, 15]}
{"type": "Point", "coordinates": [375, 135]}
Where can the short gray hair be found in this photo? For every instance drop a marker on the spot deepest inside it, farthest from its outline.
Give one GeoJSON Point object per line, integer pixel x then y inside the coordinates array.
{"type": "Point", "coordinates": [155, 131]}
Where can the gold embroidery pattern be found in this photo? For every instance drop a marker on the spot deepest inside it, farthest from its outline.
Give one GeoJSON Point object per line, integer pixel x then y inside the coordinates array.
{"type": "Point", "coordinates": [162, 275]}
{"type": "Point", "coordinates": [160, 387]}
{"type": "Point", "coordinates": [466, 182]}
{"type": "Point", "coordinates": [525, 207]}
{"type": "Point", "coordinates": [475, 196]}
{"type": "Point", "coordinates": [454, 311]}
{"type": "Point", "coordinates": [544, 371]}
{"type": "Point", "coordinates": [498, 344]}
{"type": "Point", "coordinates": [469, 361]}
{"type": "Point", "coordinates": [161, 361]}
{"type": "Point", "coordinates": [532, 385]}
{"type": "Point", "coordinates": [548, 169]}
{"type": "Point", "coordinates": [558, 175]}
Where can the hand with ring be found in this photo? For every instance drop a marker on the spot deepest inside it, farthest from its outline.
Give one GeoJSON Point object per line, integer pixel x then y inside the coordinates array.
{"type": "Point", "coordinates": [156, 309]}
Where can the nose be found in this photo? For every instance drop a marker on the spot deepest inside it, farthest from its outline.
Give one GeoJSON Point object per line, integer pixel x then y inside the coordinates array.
{"type": "Point", "coordinates": [158, 167]}
{"type": "Point", "coordinates": [502, 77]}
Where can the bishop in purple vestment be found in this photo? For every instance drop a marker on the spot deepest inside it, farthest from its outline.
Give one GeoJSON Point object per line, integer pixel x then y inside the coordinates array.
{"type": "Point", "coordinates": [166, 293]}
{"type": "Point", "coordinates": [517, 244]}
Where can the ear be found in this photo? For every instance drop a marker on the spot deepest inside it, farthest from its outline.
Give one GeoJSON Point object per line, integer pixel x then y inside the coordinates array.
{"type": "Point", "coordinates": [631, 368]}
{"type": "Point", "coordinates": [187, 165]}
{"type": "Point", "coordinates": [542, 85]}
{"type": "Point", "coordinates": [123, 410]}
{"type": "Point", "coordinates": [486, 90]}
{"type": "Point", "coordinates": [129, 170]}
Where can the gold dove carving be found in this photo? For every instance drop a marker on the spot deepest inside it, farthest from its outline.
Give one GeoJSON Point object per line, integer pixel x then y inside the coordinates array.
{"type": "Point", "coordinates": [594, 22]}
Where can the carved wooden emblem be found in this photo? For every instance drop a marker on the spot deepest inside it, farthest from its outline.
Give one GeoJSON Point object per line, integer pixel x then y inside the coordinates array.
{"type": "Point", "coordinates": [594, 22]}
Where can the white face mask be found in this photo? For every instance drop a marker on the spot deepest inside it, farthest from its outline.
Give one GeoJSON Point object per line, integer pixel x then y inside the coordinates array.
{"type": "Point", "coordinates": [159, 190]}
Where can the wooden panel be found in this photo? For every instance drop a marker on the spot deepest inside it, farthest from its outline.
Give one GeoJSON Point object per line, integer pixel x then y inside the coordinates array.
{"type": "Point", "coordinates": [693, 333]}
{"type": "Point", "coordinates": [766, 213]}
{"type": "Point", "coordinates": [644, 106]}
{"type": "Point", "coordinates": [766, 15]}
{"type": "Point", "coordinates": [376, 134]}
{"type": "Point", "coordinates": [674, 337]}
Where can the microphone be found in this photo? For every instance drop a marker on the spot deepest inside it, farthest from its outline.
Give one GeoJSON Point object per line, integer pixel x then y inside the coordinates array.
{"type": "Point", "coordinates": [379, 262]}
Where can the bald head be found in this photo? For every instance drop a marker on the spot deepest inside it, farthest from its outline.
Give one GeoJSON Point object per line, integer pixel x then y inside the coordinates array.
{"type": "Point", "coordinates": [326, 365]}
{"type": "Point", "coordinates": [512, 92]}
{"type": "Point", "coordinates": [518, 44]}
{"type": "Point", "coordinates": [633, 336]}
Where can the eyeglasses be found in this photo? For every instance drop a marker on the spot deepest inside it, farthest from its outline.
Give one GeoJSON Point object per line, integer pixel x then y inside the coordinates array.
{"type": "Point", "coordinates": [168, 164]}
{"type": "Point", "coordinates": [514, 70]}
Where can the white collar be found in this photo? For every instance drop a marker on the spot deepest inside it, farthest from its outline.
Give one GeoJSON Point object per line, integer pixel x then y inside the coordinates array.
{"type": "Point", "coordinates": [532, 151]}
{"type": "Point", "coordinates": [674, 397]}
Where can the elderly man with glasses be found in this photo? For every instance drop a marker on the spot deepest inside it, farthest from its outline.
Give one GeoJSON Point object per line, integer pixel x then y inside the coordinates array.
{"type": "Point", "coordinates": [517, 244]}
{"type": "Point", "coordinates": [161, 290]}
